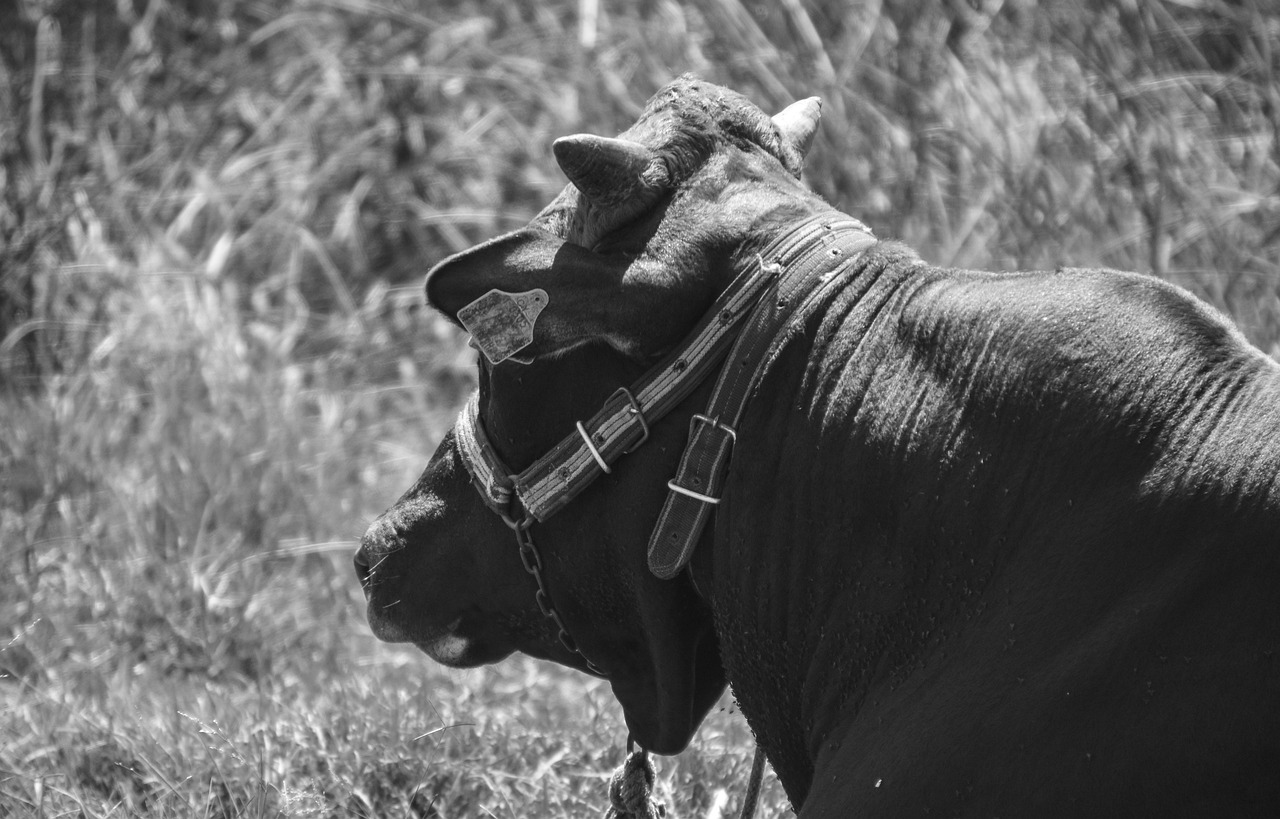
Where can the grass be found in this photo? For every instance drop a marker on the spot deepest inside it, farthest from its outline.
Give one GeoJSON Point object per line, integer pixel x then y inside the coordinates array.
{"type": "Point", "coordinates": [216, 369]}
{"type": "Point", "coordinates": [388, 739]}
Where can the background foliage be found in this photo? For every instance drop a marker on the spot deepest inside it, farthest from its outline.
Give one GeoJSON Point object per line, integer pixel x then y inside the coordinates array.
{"type": "Point", "coordinates": [215, 368]}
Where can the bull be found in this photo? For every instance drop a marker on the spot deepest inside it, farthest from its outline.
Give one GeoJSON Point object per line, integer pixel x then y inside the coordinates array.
{"type": "Point", "coordinates": [963, 543]}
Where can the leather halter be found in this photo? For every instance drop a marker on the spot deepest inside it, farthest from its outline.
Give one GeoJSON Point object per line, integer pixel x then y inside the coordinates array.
{"type": "Point", "coordinates": [764, 296]}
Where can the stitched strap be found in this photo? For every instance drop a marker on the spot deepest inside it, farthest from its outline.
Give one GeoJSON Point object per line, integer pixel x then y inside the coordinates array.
{"type": "Point", "coordinates": [558, 476]}
{"type": "Point", "coordinates": [623, 421]}
{"type": "Point", "coordinates": [561, 474]}
{"type": "Point", "coordinates": [621, 424]}
{"type": "Point", "coordinates": [827, 247]}
{"type": "Point", "coordinates": [489, 474]}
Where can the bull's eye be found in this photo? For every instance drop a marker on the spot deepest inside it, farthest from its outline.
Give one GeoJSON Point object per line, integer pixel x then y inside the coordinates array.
{"type": "Point", "coordinates": [632, 227]}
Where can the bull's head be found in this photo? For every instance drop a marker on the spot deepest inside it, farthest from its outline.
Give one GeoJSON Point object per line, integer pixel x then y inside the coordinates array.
{"type": "Point", "coordinates": [630, 256]}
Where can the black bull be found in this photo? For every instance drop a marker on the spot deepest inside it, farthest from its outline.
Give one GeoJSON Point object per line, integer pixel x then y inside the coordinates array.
{"type": "Point", "coordinates": [989, 543]}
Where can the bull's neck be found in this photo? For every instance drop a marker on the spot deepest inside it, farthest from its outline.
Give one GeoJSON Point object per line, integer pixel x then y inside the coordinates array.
{"type": "Point", "coordinates": [787, 562]}
{"type": "Point", "coordinates": [774, 224]}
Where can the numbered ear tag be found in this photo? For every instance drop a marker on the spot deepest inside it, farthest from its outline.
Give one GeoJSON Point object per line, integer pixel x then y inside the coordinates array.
{"type": "Point", "coordinates": [502, 323]}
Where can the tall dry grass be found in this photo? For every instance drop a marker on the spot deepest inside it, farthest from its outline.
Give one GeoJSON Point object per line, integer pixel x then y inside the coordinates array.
{"type": "Point", "coordinates": [215, 367]}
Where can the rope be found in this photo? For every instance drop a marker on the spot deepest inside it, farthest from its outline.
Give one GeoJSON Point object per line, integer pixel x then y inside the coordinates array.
{"type": "Point", "coordinates": [753, 785]}
{"type": "Point", "coordinates": [631, 790]}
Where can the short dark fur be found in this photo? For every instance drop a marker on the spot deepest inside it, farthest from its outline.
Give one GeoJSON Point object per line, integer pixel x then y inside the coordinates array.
{"type": "Point", "coordinates": [990, 544]}
{"type": "Point", "coordinates": [684, 124]}
{"type": "Point", "coordinates": [689, 119]}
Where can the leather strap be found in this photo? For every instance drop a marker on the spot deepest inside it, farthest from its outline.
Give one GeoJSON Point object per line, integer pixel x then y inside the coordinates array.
{"type": "Point", "coordinates": [623, 422]}
{"type": "Point", "coordinates": [828, 246]}
{"type": "Point", "coordinates": [490, 475]}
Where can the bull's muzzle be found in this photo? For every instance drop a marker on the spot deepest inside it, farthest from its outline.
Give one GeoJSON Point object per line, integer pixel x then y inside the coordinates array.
{"type": "Point", "coordinates": [382, 538]}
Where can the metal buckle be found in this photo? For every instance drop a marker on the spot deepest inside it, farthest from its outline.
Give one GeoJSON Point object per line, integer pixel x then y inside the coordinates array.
{"type": "Point", "coordinates": [693, 428]}
{"type": "Point", "coordinates": [635, 410]}
{"type": "Point", "coordinates": [715, 422]}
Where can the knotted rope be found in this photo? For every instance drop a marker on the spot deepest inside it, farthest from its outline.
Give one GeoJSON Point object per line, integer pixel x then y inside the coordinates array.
{"type": "Point", "coordinates": [631, 790]}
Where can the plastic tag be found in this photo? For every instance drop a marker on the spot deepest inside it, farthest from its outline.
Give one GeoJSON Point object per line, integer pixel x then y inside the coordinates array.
{"type": "Point", "coordinates": [502, 323]}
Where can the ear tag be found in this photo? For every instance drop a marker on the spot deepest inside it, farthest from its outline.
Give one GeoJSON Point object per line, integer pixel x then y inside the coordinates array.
{"type": "Point", "coordinates": [501, 324]}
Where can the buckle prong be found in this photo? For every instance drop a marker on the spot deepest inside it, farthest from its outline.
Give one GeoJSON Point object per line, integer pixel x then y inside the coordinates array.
{"type": "Point", "coordinates": [715, 422]}
{"type": "Point", "coordinates": [635, 410]}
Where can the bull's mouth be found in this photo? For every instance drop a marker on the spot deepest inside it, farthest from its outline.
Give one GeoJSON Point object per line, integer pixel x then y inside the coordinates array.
{"type": "Point", "coordinates": [450, 644]}
{"type": "Point", "coordinates": [455, 651]}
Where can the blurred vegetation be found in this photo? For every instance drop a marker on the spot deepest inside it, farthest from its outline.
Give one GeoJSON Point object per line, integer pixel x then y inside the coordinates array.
{"type": "Point", "coordinates": [215, 367]}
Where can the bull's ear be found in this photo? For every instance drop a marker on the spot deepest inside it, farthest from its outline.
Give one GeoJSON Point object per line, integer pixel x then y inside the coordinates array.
{"type": "Point", "coordinates": [550, 295]}
{"type": "Point", "coordinates": [607, 170]}
{"type": "Point", "coordinates": [798, 123]}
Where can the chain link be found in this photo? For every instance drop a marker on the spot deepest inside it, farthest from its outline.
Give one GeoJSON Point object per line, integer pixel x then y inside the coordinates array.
{"type": "Point", "coordinates": [532, 562]}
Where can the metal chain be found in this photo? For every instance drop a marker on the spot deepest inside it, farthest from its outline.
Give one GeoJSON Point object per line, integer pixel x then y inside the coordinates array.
{"type": "Point", "coordinates": [532, 562]}
{"type": "Point", "coordinates": [531, 559]}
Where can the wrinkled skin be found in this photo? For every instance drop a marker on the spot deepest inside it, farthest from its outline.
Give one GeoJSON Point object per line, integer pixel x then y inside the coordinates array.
{"type": "Point", "coordinates": [990, 544]}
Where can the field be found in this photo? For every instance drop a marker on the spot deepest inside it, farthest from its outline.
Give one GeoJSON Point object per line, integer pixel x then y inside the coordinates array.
{"type": "Point", "coordinates": [216, 367]}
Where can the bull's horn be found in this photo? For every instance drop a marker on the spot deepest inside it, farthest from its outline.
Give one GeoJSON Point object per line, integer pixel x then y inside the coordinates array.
{"type": "Point", "coordinates": [603, 168]}
{"type": "Point", "coordinates": [798, 122]}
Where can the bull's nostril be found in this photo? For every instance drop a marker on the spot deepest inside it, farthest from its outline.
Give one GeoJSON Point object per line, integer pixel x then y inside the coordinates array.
{"type": "Point", "coordinates": [363, 566]}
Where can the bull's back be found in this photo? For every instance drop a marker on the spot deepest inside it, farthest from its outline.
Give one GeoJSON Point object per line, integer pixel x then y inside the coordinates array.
{"type": "Point", "coordinates": [1105, 452]}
